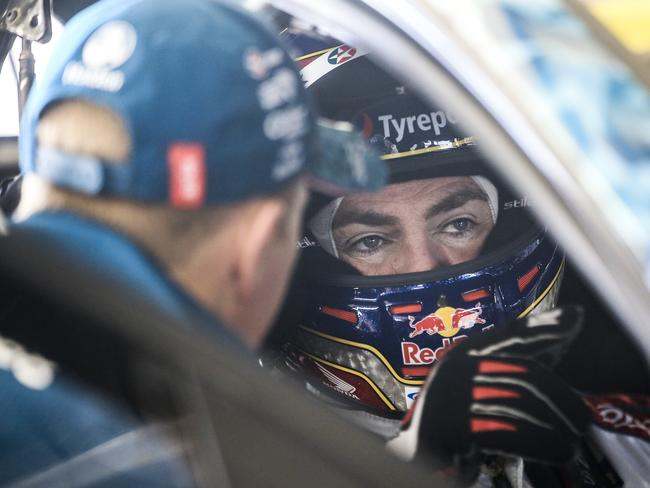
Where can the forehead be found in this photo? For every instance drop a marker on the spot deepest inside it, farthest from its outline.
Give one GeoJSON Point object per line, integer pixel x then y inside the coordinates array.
{"type": "Point", "coordinates": [427, 191]}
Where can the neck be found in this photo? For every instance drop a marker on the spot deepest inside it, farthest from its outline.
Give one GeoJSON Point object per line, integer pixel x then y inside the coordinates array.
{"type": "Point", "coordinates": [200, 283]}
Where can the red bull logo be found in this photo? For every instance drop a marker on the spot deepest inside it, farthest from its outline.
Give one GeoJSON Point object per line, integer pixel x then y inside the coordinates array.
{"type": "Point", "coordinates": [414, 355]}
{"type": "Point", "coordinates": [446, 321]}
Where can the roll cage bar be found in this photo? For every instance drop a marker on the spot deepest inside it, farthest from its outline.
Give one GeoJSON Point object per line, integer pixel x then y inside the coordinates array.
{"type": "Point", "coordinates": [31, 20]}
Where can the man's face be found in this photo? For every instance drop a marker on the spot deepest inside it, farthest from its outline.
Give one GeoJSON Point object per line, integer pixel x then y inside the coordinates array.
{"type": "Point", "coordinates": [414, 226]}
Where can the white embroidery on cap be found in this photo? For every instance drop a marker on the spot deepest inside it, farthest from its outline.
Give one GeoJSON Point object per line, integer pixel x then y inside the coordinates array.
{"type": "Point", "coordinates": [291, 159]}
{"type": "Point", "coordinates": [108, 48]}
{"type": "Point", "coordinates": [289, 123]}
{"type": "Point", "coordinates": [260, 63]}
{"type": "Point", "coordinates": [279, 89]}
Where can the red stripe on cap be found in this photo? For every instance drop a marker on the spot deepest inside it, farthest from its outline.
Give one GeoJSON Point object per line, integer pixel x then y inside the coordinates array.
{"type": "Point", "coordinates": [346, 315]}
{"type": "Point", "coordinates": [187, 174]}
{"type": "Point", "coordinates": [484, 392]}
{"type": "Point", "coordinates": [482, 425]}
{"type": "Point", "coordinates": [499, 367]}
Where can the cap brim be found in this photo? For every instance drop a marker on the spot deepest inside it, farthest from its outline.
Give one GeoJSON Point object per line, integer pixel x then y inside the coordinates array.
{"type": "Point", "coordinates": [346, 162]}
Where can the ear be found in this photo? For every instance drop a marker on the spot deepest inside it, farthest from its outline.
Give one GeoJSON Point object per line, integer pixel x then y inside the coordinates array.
{"type": "Point", "coordinates": [256, 234]}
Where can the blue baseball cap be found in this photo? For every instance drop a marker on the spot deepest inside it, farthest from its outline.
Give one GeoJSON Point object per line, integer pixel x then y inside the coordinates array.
{"type": "Point", "coordinates": [215, 108]}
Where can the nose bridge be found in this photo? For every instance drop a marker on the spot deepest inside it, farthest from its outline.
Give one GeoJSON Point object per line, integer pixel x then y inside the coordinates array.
{"type": "Point", "coordinates": [422, 253]}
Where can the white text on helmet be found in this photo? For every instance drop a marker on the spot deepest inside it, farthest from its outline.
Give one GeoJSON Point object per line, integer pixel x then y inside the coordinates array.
{"type": "Point", "coordinates": [424, 122]}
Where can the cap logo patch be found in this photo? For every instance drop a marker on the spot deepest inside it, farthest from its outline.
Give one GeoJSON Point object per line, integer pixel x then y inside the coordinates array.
{"type": "Point", "coordinates": [108, 48]}
{"type": "Point", "coordinates": [187, 173]}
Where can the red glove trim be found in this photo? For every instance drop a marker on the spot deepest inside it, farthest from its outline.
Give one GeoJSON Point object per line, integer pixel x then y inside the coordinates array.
{"type": "Point", "coordinates": [481, 425]}
{"type": "Point", "coordinates": [499, 367]}
{"type": "Point", "coordinates": [485, 392]}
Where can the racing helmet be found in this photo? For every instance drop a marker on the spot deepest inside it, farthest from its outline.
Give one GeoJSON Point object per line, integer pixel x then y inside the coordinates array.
{"type": "Point", "coordinates": [364, 333]}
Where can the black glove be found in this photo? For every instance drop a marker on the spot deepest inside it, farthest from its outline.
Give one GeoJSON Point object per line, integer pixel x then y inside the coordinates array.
{"type": "Point", "coordinates": [544, 337]}
{"type": "Point", "coordinates": [492, 395]}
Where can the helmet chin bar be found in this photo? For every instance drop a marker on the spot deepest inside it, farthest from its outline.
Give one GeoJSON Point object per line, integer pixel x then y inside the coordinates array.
{"type": "Point", "coordinates": [372, 342]}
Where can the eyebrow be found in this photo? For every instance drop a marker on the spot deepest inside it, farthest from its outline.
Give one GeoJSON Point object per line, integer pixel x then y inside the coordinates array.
{"type": "Point", "coordinates": [455, 200]}
{"type": "Point", "coordinates": [371, 218]}
{"type": "Point", "coordinates": [366, 217]}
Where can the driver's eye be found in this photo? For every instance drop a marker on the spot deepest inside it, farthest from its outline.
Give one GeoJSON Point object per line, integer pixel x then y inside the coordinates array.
{"type": "Point", "coordinates": [462, 224]}
{"type": "Point", "coordinates": [371, 242]}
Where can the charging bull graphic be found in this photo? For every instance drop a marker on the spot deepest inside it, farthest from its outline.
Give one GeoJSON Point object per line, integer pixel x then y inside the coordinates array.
{"type": "Point", "coordinates": [446, 321]}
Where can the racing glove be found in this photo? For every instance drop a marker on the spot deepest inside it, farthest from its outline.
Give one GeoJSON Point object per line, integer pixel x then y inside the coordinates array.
{"type": "Point", "coordinates": [493, 394]}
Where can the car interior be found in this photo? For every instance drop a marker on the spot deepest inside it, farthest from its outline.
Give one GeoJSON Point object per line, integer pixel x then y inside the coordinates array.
{"type": "Point", "coordinates": [221, 421]}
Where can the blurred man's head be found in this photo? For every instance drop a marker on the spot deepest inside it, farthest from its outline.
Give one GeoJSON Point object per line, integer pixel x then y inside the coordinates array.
{"type": "Point", "coordinates": [194, 143]}
{"type": "Point", "coordinates": [225, 256]}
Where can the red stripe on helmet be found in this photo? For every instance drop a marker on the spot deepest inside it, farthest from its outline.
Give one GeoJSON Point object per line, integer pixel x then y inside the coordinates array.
{"type": "Point", "coordinates": [346, 315]}
{"type": "Point", "coordinates": [402, 309]}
